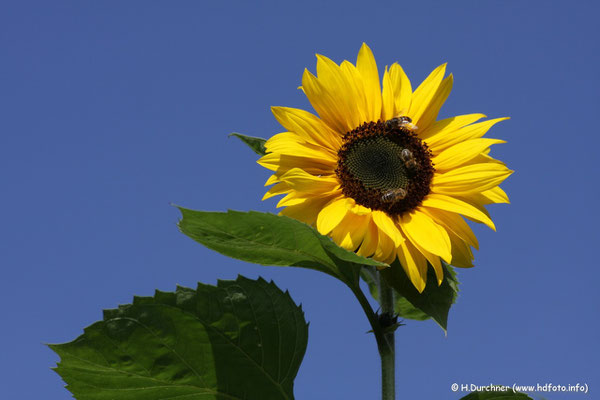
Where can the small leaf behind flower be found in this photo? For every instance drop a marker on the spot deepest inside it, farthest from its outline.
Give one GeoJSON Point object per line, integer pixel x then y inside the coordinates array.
{"type": "Point", "coordinates": [508, 395]}
{"type": "Point", "coordinates": [242, 339]}
{"type": "Point", "coordinates": [255, 143]}
{"type": "Point", "coordinates": [270, 239]}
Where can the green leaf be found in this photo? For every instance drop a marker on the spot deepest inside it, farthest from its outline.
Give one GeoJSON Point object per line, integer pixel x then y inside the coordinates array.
{"type": "Point", "coordinates": [242, 339]}
{"type": "Point", "coordinates": [405, 309]}
{"type": "Point", "coordinates": [434, 302]}
{"type": "Point", "coordinates": [508, 395]}
{"type": "Point", "coordinates": [269, 239]}
{"type": "Point", "coordinates": [255, 143]}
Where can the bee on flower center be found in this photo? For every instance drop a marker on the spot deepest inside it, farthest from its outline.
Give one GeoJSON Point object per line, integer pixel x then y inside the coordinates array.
{"type": "Point", "coordinates": [401, 122]}
{"type": "Point", "coordinates": [408, 159]}
{"type": "Point", "coordinates": [393, 195]}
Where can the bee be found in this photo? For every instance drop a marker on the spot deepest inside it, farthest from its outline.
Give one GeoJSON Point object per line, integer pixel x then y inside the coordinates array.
{"type": "Point", "coordinates": [409, 160]}
{"type": "Point", "coordinates": [401, 122]}
{"type": "Point", "coordinates": [392, 196]}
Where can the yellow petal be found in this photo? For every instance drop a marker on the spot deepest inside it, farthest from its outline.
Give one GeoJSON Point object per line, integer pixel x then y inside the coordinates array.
{"type": "Point", "coordinates": [366, 65]}
{"type": "Point", "coordinates": [425, 93]}
{"type": "Point", "coordinates": [446, 138]}
{"type": "Point", "coordinates": [462, 256]}
{"type": "Point", "coordinates": [272, 179]}
{"type": "Point", "coordinates": [291, 199]}
{"type": "Point", "coordinates": [331, 215]}
{"type": "Point", "coordinates": [388, 226]}
{"type": "Point", "coordinates": [389, 101]}
{"type": "Point", "coordinates": [402, 90]}
{"type": "Point", "coordinates": [369, 244]}
{"type": "Point", "coordinates": [448, 125]}
{"type": "Point", "coordinates": [280, 188]}
{"type": "Point", "coordinates": [302, 181]}
{"type": "Point", "coordinates": [307, 210]}
{"type": "Point", "coordinates": [460, 153]}
{"type": "Point", "coordinates": [477, 201]}
{"type": "Point", "coordinates": [284, 162]}
{"type": "Point", "coordinates": [351, 231]}
{"type": "Point", "coordinates": [435, 262]}
{"type": "Point", "coordinates": [414, 264]}
{"type": "Point", "coordinates": [470, 179]}
{"type": "Point", "coordinates": [484, 158]}
{"type": "Point", "coordinates": [327, 107]}
{"type": "Point", "coordinates": [357, 208]}
{"type": "Point", "coordinates": [292, 144]}
{"type": "Point", "coordinates": [449, 203]}
{"type": "Point", "coordinates": [439, 98]}
{"type": "Point", "coordinates": [295, 197]}
{"type": "Point", "coordinates": [386, 251]}
{"type": "Point", "coordinates": [453, 223]}
{"type": "Point", "coordinates": [353, 76]}
{"type": "Point", "coordinates": [495, 195]}
{"type": "Point", "coordinates": [422, 230]}
{"type": "Point", "coordinates": [334, 81]}
{"type": "Point", "coordinates": [308, 126]}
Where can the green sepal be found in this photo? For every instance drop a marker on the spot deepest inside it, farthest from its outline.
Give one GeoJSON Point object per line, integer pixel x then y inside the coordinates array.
{"type": "Point", "coordinates": [255, 143]}
{"type": "Point", "coordinates": [269, 239]}
{"type": "Point", "coordinates": [242, 339]}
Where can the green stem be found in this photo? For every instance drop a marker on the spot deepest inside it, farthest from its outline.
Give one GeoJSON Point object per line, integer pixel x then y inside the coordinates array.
{"type": "Point", "coordinates": [387, 347]}
{"type": "Point", "coordinates": [384, 338]}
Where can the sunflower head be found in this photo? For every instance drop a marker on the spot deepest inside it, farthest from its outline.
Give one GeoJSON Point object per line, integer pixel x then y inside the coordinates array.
{"type": "Point", "coordinates": [378, 173]}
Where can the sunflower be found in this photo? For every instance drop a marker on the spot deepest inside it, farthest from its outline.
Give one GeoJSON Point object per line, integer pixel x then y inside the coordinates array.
{"type": "Point", "coordinates": [378, 173]}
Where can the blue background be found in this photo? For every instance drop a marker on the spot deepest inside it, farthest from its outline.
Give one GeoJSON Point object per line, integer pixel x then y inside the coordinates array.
{"type": "Point", "coordinates": [110, 111]}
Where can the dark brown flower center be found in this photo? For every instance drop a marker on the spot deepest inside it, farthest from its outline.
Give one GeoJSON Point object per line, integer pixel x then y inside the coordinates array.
{"type": "Point", "coordinates": [385, 166]}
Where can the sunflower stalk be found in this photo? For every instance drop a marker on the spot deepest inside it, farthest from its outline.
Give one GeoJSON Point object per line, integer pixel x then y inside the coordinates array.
{"type": "Point", "coordinates": [387, 350]}
{"type": "Point", "coordinates": [383, 327]}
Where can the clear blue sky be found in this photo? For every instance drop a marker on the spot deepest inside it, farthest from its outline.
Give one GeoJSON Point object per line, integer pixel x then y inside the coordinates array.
{"type": "Point", "coordinates": [113, 110]}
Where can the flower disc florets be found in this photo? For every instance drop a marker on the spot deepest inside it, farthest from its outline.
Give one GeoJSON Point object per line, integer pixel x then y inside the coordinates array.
{"type": "Point", "coordinates": [385, 166]}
